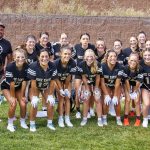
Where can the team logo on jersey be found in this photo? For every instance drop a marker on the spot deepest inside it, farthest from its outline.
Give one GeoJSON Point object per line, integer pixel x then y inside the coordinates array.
{"type": "Point", "coordinates": [1, 49]}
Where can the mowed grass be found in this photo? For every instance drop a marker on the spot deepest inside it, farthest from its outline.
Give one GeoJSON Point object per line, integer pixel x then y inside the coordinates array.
{"type": "Point", "coordinates": [90, 137]}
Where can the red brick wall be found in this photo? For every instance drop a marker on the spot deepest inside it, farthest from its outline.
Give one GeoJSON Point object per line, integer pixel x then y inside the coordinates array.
{"type": "Point", "coordinates": [110, 28]}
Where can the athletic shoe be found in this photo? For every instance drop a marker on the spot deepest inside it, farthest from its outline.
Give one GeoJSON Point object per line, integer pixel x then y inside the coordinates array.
{"type": "Point", "coordinates": [78, 115]}
{"type": "Point", "coordinates": [92, 113]}
{"type": "Point", "coordinates": [145, 123]}
{"type": "Point", "coordinates": [83, 122]}
{"type": "Point", "coordinates": [32, 127]}
{"type": "Point", "coordinates": [100, 123]}
{"type": "Point", "coordinates": [131, 113]}
{"type": "Point", "coordinates": [105, 121]}
{"type": "Point", "coordinates": [51, 126]}
{"type": "Point", "coordinates": [88, 115]}
{"type": "Point", "coordinates": [112, 110]}
{"type": "Point", "coordinates": [0, 120]}
{"type": "Point", "coordinates": [24, 125]}
{"type": "Point", "coordinates": [126, 122]}
{"type": "Point", "coordinates": [61, 123]}
{"type": "Point", "coordinates": [137, 123]}
{"type": "Point", "coordinates": [119, 123]}
{"type": "Point", "coordinates": [11, 127]}
{"type": "Point", "coordinates": [68, 123]}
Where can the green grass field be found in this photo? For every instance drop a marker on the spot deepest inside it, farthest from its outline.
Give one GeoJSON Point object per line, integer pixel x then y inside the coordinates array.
{"type": "Point", "coordinates": [90, 137]}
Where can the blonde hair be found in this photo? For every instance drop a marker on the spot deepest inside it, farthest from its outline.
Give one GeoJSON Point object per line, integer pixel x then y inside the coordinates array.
{"type": "Point", "coordinates": [137, 62]}
{"type": "Point", "coordinates": [20, 50]}
{"type": "Point", "coordinates": [94, 66]}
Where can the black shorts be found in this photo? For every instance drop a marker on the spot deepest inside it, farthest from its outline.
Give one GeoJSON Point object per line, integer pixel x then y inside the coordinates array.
{"type": "Point", "coordinates": [5, 86]}
{"type": "Point", "coordinates": [145, 87]}
{"type": "Point", "coordinates": [78, 77]}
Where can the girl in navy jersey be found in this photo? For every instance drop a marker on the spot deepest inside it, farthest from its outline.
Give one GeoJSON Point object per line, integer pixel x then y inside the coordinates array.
{"type": "Point", "coordinates": [66, 67]}
{"type": "Point", "coordinates": [43, 43]}
{"type": "Point", "coordinates": [42, 74]}
{"type": "Point", "coordinates": [145, 88]}
{"type": "Point", "coordinates": [13, 87]}
{"type": "Point", "coordinates": [134, 77]}
{"type": "Point", "coordinates": [63, 41]}
{"type": "Point", "coordinates": [89, 70]}
{"type": "Point", "coordinates": [78, 55]}
{"type": "Point", "coordinates": [112, 73]}
{"type": "Point", "coordinates": [100, 49]}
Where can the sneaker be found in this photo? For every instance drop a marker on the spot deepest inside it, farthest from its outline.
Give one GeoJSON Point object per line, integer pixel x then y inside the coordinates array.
{"type": "Point", "coordinates": [61, 123]}
{"type": "Point", "coordinates": [78, 115]}
{"type": "Point", "coordinates": [88, 115]}
{"type": "Point", "coordinates": [0, 120]}
{"type": "Point", "coordinates": [32, 127]}
{"type": "Point", "coordinates": [126, 122]}
{"type": "Point", "coordinates": [51, 126]}
{"type": "Point", "coordinates": [68, 123]}
{"type": "Point", "coordinates": [119, 123]}
{"type": "Point", "coordinates": [24, 125]}
{"type": "Point", "coordinates": [112, 110]}
{"type": "Point", "coordinates": [100, 123]}
{"type": "Point", "coordinates": [83, 122]}
{"type": "Point", "coordinates": [131, 113]}
{"type": "Point", "coordinates": [92, 113]}
{"type": "Point", "coordinates": [137, 123]}
{"type": "Point", "coordinates": [105, 121]}
{"type": "Point", "coordinates": [11, 127]}
{"type": "Point", "coordinates": [145, 123]}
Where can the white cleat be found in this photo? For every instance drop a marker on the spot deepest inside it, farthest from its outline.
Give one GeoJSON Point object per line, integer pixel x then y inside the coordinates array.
{"type": "Point", "coordinates": [32, 127]}
{"type": "Point", "coordinates": [78, 115]}
{"type": "Point", "coordinates": [11, 127]}
{"type": "Point", "coordinates": [83, 122]}
{"type": "Point", "coordinates": [51, 126]}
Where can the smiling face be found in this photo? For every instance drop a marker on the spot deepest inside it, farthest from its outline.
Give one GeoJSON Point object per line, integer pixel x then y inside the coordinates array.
{"type": "Point", "coordinates": [133, 42]}
{"type": "Point", "coordinates": [44, 40]}
{"type": "Point", "coordinates": [44, 58]}
{"type": "Point", "coordinates": [133, 61]}
{"type": "Point", "coordinates": [148, 44]}
{"type": "Point", "coordinates": [89, 57]}
{"type": "Point", "coordinates": [19, 58]}
{"type": "Point", "coordinates": [30, 43]}
{"type": "Point", "coordinates": [100, 45]}
{"type": "Point", "coordinates": [64, 39]}
{"type": "Point", "coordinates": [112, 58]}
{"type": "Point", "coordinates": [146, 56]}
{"type": "Point", "coordinates": [85, 40]}
{"type": "Point", "coordinates": [117, 47]}
{"type": "Point", "coordinates": [65, 55]}
{"type": "Point", "coordinates": [142, 38]}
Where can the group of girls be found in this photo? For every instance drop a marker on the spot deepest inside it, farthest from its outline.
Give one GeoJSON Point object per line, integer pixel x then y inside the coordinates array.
{"type": "Point", "coordinates": [98, 76]}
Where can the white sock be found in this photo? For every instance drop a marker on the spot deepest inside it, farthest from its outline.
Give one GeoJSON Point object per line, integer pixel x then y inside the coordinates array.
{"type": "Point", "coordinates": [84, 118]}
{"type": "Point", "coordinates": [67, 117]}
{"type": "Point", "coordinates": [32, 122]}
{"type": "Point", "coordinates": [118, 118]}
{"type": "Point", "coordinates": [60, 117]}
{"type": "Point", "coordinates": [145, 119]}
{"type": "Point", "coordinates": [10, 120]}
{"type": "Point", "coordinates": [104, 116]}
{"type": "Point", "coordinates": [22, 120]}
{"type": "Point", "coordinates": [49, 121]}
{"type": "Point", "coordinates": [99, 118]}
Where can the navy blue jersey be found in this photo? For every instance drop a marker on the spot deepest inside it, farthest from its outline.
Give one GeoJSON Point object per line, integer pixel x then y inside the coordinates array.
{"type": "Point", "coordinates": [146, 76]}
{"type": "Point", "coordinates": [15, 75]}
{"type": "Point", "coordinates": [38, 47]}
{"type": "Point", "coordinates": [84, 69]}
{"type": "Point", "coordinates": [99, 57]}
{"type": "Point", "coordinates": [110, 76]}
{"type": "Point", "coordinates": [127, 52]}
{"type": "Point", "coordinates": [32, 57]}
{"type": "Point", "coordinates": [121, 58]}
{"type": "Point", "coordinates": [133, 76]}
{"type": "Point", "coordinates": [78, 52]}
{"type": "Point", "coordinates": [5, 49]}
{"type": "Point", "coordinates": [43, 78]}
{"type": "Point", "coordinates": [64, 72]}
{"type": "Point", "coordinates": [56, 50]}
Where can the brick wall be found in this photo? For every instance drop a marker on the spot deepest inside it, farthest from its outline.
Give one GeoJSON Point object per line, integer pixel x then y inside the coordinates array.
{"type": "Point", "coordinates": [110, 28]}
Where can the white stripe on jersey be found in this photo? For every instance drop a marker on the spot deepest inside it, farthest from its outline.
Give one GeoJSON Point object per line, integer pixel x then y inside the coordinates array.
{"type": "Point", "coordinates": [73, 69]}
{"type": "Point", "coordinates": [9, 74]}
{"type": "Point", "coordinates": [32, 72]}
{"type": "Point", "coordinates": [54, 73]}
